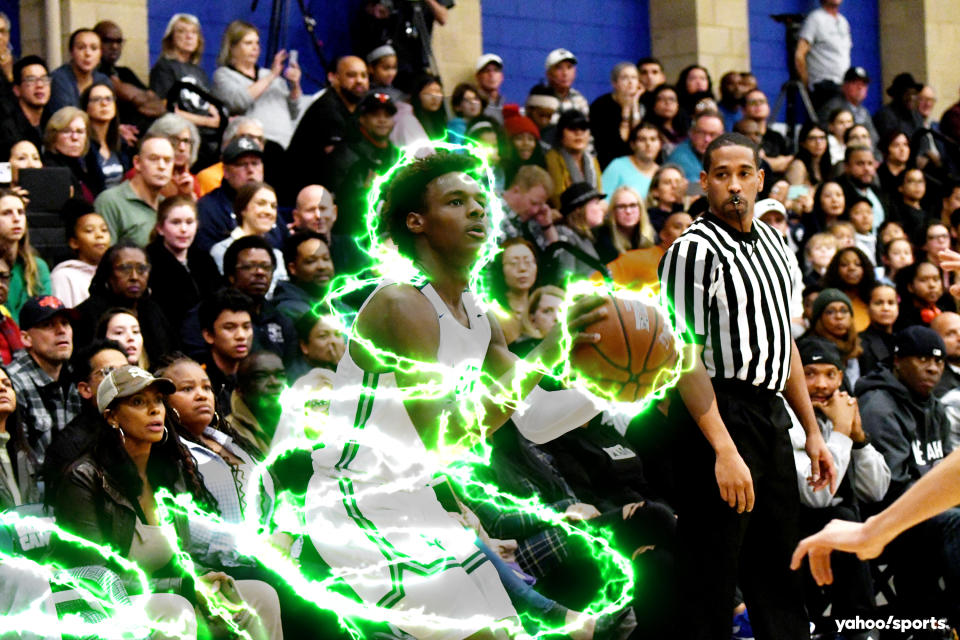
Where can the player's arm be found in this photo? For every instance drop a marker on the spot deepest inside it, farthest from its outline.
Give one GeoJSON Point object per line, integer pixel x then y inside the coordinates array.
{"type": "Point", "coordinates": [823, 472]}
{"type": "Point", "coordinates": [800, 59]}
{"type": "Point", "coordinates": [936, 491]}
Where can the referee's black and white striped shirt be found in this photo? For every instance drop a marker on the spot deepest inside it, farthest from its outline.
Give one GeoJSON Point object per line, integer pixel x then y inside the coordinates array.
{"type": "Point", "coordinates": [731, 291]}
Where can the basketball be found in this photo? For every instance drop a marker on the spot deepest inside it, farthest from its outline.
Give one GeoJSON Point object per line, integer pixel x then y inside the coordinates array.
{"type": "Point", "coordinates": [636, 346]}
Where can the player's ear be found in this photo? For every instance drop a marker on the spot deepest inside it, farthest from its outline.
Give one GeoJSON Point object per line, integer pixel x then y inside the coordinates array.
{"type": "Point", "coordinates": [760, 176]}
{"type": "Point", "coordinates": [415, 222]}
{"type": "Point", "coordinates": [703, 181]}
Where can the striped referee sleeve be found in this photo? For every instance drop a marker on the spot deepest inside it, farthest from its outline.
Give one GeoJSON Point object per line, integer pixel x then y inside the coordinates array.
{"type": "Point", "coordinates": [684, 271]}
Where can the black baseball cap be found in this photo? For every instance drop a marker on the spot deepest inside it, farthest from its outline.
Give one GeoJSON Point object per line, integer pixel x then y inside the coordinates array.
{"type": "Point", "coordinates": [572, 119]}
{"type": "Point", "coordinates": [817, 350]}
{"type": "Point", "coordinates": [239, 147]}
{"type": "Point", "coordinates": [377, 100]}
{"type": "Point", "coordinates": [854, 74]}
{"type": "Point", "coordinates": [919, 341]}
{"type": "Point", "coordinates": [39, 309]}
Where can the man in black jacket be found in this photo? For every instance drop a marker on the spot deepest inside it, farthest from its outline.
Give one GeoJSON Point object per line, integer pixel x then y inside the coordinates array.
{"type": "Point", "coordinates": [27, 117]}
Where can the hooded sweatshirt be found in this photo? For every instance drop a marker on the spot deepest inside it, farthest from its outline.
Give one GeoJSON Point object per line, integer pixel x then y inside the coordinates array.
{"type": "Point", "coordinates": [911, 432]}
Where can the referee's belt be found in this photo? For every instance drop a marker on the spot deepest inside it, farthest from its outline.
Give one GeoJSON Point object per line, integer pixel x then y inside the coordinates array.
{"type": "Point", "coordinates": [742, 388]}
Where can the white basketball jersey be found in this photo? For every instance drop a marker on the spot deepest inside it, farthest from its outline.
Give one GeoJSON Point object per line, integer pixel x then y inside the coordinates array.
{"type": "Point", "coordinates": [375, 439]}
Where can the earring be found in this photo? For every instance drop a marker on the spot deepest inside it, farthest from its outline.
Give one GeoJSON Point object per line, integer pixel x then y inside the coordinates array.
{"type": "Point", "coordinates": [166, 432]}
{"type": "Point", "coordinates": [123, 438]}
{"type": "Point", "coordinates": [176, 414]}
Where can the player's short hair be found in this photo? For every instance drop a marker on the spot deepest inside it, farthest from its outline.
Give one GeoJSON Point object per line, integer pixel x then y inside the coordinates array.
{"type": "Point", "coordinates": [730, 139]}
{"type": "Point", "coordinates": [406, 192]}
{"type": "Point", "coordinates": [226, 299]}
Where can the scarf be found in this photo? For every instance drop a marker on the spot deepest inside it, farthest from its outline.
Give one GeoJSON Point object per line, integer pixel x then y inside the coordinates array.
{"type": "Point", "coordinates": [588, 174]}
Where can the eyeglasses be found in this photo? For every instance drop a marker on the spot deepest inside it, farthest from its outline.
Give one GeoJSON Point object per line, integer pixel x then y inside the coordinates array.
{"type": "Point", "coordinates": [178, 141]}
{"type": "Point", "coordinates": [628, 206]}
{"type": "Point", "coordinates": [757, 101]}
{"type": "Point", "coordinates": [129, 267]}
{"type": "Point", "coordinates": [101, 100]}
{"type": "Point", "coordinates": [41, 80]}
{"type": "Point", "coordinates": [255, 266]}
{"type": "Point", "coordinates": [839, 311]}
{"type": "Point", "coordinates": [939, 236]}
{"type": "Point", "coordinates": [73, 132]}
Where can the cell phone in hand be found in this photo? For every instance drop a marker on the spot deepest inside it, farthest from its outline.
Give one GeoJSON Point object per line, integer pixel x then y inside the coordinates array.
{"type": "Point", "coordinates": [294, 56]}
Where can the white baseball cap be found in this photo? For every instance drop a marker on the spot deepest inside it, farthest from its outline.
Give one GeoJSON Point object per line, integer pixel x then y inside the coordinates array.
{"type": "Point", "coordinates": [487, 58]}
{"type": "Point", "coordinates": [557, 56]}
{"type": "Point", "coordinates": [769, 205]}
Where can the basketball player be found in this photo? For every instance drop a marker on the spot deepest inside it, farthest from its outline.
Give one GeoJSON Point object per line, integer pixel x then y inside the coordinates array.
{"type": "Point", "coordinates": [729, 283]}
{"type": "Point", "coordinates": [371, 511]}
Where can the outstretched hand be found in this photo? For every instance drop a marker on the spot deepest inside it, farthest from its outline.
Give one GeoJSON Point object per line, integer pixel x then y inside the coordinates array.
{"type": "Point", "coordinates": [839, 535]}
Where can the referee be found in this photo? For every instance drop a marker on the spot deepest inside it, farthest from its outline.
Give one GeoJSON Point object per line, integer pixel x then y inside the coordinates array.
{"type": "Point", "coordinates": [728, 282]}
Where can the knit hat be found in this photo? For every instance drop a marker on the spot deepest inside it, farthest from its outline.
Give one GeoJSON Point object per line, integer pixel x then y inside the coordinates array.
{"type": "Point", "coordinates": [920, 341]}
{"type": "Point", "coordinates": [543, 98]}
{"type": "Point", "coordinates": [515, 125]}
{"type": "Point", "coordinates": [817, 350]}
{"type": "Point", "coordinates": [826, 297]}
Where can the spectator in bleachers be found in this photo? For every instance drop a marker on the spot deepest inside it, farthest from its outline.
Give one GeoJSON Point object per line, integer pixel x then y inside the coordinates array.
{"type": "Point", "coordinates": [947, 326]}
{"type": "Point", "coordinates": [512, 276]}
{"type": "Point", "coordinates": [523, 143]}
{"type": "Point", "coordinates": [185, 138]}
{"type": "Point", "coordinates": [316, 211]}
{"type": "Point", "coordinates": [358, 161]}
{"type": "Point", "coordinates": [895, 148]}
{"type": "Point", "coordinates": [818, 251]}
{"type": "Point", "coordinates": [838, 121]}
{"type": "Point", "coordinates": [829, 203]}
{"type": "Point", "coordinates": [571, 161]}
{"type": "Point", "coordinates": [328, 122]}
{"type": "Point", "coordinates": [929, 148]}
{"type": "Point", "coordinates": [626, 225]}
{"type": "Point", "coordinates": [427, 101]}
{"type": "Point", "coordinates": [693, 84]}
{"type": "Point", "coordinates": [130, 460]}
{"type": "Point", "coordinates": [860, 213]}
{"type": "Point", "coordinates": [920, 286]}
{"type": "Point", "coordinates": [310, 269]}
{"type": "Point", "coordinates": [664, 112]}
{"type": "Point", "coordinates": [10, 341]}
{"type": "Point", "coordinates": [489, 77]}
{"type": "Point", "coordinates": [72, 78]}
{"type": "Point", "coordinates": [242, 165]}
{"type": "Point", "coordinates": [823, 51]}
{"type": "Point", "coordinates": [614, 115]}
{"type": "Point", "coordinates": [130, 208]}
{"type": "Point", "coordinates": [775, 149]}
{"type": "Point", "coordinates": [911, 186]}
{"type": "Point", "coordinates": [30, 275]}
{"type": "Point", "coordinates": [23, 155]}
{"type": "Point", "coordinates": [18, 484]}
{"type": "Point", "coordinates": [897, 254]}
{"type": "Point", "coordinates": [28, 117]}
{"type": "Point", "coordinates": [859, 171]}
{"type": "Point", "coordinates": [730, 104]}
{"type": "Point", "coordinates": [859, 135]}
{"type": "Point", "coordinates": [666, 195]}
{"type": "Point", "coordinates": [541, 107]}
{"type": "Point", "coordinates": [932, 238]}
{"type": "Point", "coordinates": [123, 327]}
{"type": "Point", "coordinates": [121, 281]}
{"type": "Point", "coordinates": [651, 76]}
{"type": "Point", "coordinates": [181, 49]}
{"type": "Point", "coordinates": [136, 104]}
{"type": "Point", "coordinates": [637, 169]}
{"type": "Point", "coordinates": [88, 236]}
{"type": "Point", "coordinates": [211, 177]}
{"type": "Point", "coordinates": [811, 165]}
{"type": "Point", "coordinates": [877, 339]}
{"type": "Point", "coordinates": [66, 141]}
{"type": "Point", "coordinates": [909, 426]}
{"type": "Point", "coordinates": [226, 324]}
{"type": "Point", "coordinates": [255, 404]}
{"type": "Point", "coordinates": [100, 103]}
{"type": "Point", "coordinates": [467, 105]}
{"type": "Point", "coordinates": [263, 93]}
{"type": "Point", "coordinates": [382, 70]}
{"type": "Point", "coordinates": [950, 202]}
{"type": "Point", "coordinates": [561, 68]}
{"type": "Point", "coordinates": [851, 271]}
{"type": "Point", "coordinates": [583, 209]}
{"type": "Point", "coordinates": [843, 231]}
{"type": "Point", "coordinates": [853, 93]}
{"type": "Point", "coordinates": [256, 207]}
{"type": "Point", "coordinates": [862, 472]}
{"type": "Point", "coordinates": [6, 53]}
{"type": "Point", "coordinates": [525, 209]}
{"type": "Point", "coordinates": [688, 155]}
{"type": "Point", "coordinates": [900, 114]}
{"type": "Point", "coordinates": [638, 268]}
{"type": "Point", "coordinates": [182, 273]}
{"type": "Point", "coordinates": [321, 343]}
{"type": "Point", "coordinates": [832, 320]}
{"type": "Point", "coordinates": [46, 399]}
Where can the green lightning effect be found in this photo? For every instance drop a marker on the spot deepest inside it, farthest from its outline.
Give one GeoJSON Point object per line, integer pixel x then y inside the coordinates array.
{"type": "Point", "coordinates": [454, 452]}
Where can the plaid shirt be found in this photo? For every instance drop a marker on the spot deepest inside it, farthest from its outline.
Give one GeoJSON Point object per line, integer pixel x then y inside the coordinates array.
{"type": "Point", "coordinates": [47, 405]}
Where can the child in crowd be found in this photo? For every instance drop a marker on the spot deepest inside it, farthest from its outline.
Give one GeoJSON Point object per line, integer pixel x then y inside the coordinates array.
{"type": "Point", "coordinates": [861, 217]}
{"type": "Point", "coordinates": [844, 232]}
{"type": "Point", "coordinates": [920, 286]}
{"type": "Point", "coordinates": [89, 237]}
{"type": "Point", "coordinates": [817, 256]}
{"type": "Point", "coordinates": [897, 254]}
{"type": "Point", "coordinates": [851, 271]}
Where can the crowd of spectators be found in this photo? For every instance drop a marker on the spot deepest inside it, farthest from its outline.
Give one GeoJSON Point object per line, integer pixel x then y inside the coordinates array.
{"type": "Point", "coordinates": [208, 215]}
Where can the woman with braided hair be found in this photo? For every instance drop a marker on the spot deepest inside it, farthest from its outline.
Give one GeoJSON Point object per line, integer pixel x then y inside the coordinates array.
{"type": "Point", "coordinates": [108, 497]}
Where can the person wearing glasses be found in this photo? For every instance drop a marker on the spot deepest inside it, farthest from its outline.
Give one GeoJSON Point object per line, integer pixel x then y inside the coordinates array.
{"type": "Point", "coordinates": [31, 88]}
{"type": "Point", "coordinates": [136, 103]}
{"type": "Point", "coordinates": [107, 146]}
{"type": "Point", "coordinates": [121, 282]}
{"type": "Point", "coordinates": [185, 138]}
{"type": "Point", "coordinates": [66, 141]}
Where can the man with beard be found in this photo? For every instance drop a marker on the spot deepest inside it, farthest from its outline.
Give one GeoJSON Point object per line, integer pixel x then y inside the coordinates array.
{"type": "Point", "coordinates": [255, 404]}
{"type": "Point", "coordinates": [310, 269]}
{"type": "Point", "coordinates": [857, 180]}
{"type": "Point", "coordinates": [328, 122]}
{"type": "Point", "coordinates": [136, 104]}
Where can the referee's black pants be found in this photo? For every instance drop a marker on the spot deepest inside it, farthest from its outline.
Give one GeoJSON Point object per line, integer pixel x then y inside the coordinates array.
{"type": "Point", "coordinates": [719, 548]}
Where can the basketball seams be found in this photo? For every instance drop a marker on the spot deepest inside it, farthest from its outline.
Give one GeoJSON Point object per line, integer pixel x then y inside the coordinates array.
{"type": "Point", "coordinates": [653, 340]}
{"type": "Point", "coordinates": [626, 336]}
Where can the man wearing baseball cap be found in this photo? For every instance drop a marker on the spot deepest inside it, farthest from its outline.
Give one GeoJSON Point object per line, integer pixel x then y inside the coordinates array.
{"type": "Point", "coordinates": [46, 399]}
{"type": "Point", "coordinates": [909, 426]}
{"type": "Point", "coordinates": [853, 92]}
{"type": "Point", "coordinates": [561, 67]}
{"type": "Point", "coordinates": [489, 75]}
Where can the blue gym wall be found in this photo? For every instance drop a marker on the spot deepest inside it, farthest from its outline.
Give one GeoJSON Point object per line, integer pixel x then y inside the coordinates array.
{"type": "Point", "coordinates": [600, 33]}
{"type": "Point", "coordinates": [768, 53]}
{"type": "Point", "coordinates": [333, 20]}
{"type": "Point", "coordinates": [12, 9]}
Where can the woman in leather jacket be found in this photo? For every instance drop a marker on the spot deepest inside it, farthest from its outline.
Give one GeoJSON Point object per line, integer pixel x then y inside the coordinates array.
{"type": "Point", "coordinates": [108, 497]}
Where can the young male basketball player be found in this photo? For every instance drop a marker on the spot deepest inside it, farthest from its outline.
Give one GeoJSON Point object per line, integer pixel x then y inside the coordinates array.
{"type": "Point", "coordinates": [371, 512]}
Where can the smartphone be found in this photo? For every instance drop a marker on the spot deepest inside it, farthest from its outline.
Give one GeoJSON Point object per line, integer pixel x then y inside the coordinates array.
{"type": "Point", "coordinates": [294, 57]}
{"type": "Point", "coordinates": [6, 176]}
{"type": "Point", "coordinates": [797, 190]}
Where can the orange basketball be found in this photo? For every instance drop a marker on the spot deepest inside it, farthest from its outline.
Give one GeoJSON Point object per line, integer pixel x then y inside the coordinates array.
{"type": "Point", "coordinates": [635, 348]}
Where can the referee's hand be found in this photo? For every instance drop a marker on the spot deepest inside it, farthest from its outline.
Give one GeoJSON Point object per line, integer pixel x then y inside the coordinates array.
{"type": "Point", "coordinates": [734, 480]}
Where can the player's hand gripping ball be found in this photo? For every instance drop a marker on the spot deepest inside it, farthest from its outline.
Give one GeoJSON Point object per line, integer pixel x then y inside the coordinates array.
{"type": "Point", "coordinates": [636, 353]}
